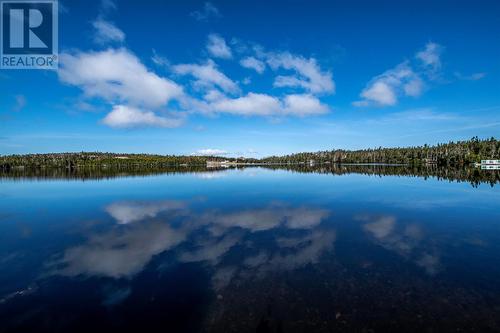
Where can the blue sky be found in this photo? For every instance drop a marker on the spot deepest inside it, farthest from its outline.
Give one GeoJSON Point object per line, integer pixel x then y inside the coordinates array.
{"type": "Point", "coordinates": [258, 78]}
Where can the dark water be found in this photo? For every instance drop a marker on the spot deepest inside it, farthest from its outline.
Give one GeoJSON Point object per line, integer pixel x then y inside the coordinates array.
{"type": "Point", "coordinates": [250, 250]}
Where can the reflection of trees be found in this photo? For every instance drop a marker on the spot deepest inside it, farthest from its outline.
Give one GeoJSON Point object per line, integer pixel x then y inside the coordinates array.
{"type": "Point", "coordinates": [96, 173]}
{"type": "Point", "coordinates": [472, 175]}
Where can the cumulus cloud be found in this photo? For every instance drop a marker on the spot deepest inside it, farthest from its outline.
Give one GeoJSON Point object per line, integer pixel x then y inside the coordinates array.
{"type": "Point", "coordinates": [251, 104]}
{"type": "Point", "coordinates": [208, 11]}
{"type": "Point", "coordinates": [207, 75]}
{"type": "Point", "coordinates": [253, 63]}
{"type": "Point", "coordinates": [303, 105]}
{"type": "Point", "coordinates": [106, 32]}
{"type": "Point", "coordinates": [218, 48]}
{"type": "Point", "coordinates": [124, 116]}
{"type": "Point", "coordinates": [254, 104]}
{"type": "Point", "coordinates": [385, 89]}
{"type": "Point", "coordinates": [210, 152]}
{"type": "Point", "coordinates": [406, 79]}
{"type": "Point", "coordinates": [309, 75]}
{"type": "Point", "coordinates": [114, 75]}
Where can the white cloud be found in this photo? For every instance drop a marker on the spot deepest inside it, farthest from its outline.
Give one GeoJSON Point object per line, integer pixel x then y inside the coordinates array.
{"type": "Point", "coordinates": [309, 75]}
{"type": "Point", "coordinates": [106, 32]}
{"type": "Point", "coordinates": [117, 76]}
{"type": "Point", "coordinates": [414, 87]}
{"type": "Point", "coordinates": [384, 90]}
{"type": "Point", "coordinates": [254, 104]}
{"type": "Point", "coordinates": [210, 152]}
{"type": "Point", "coordinates": [213, 95]}
{"type": "Point", "coordinates": [124, 116]}
{"type": "Point", "coordinates": [218, 48]}
{"type": "Point", "coordinates": [253, 63]}
{"type": "Point", "coordinates": [406, 79]}
{"type": "Point", "coordinates": [380, 92]}
{"type": "Point", "coordinates": [207, 76]}
{"type": "Point", "coordinates": [139, 97]}
{"type": "Point", "coordinates": [251, 104]}
{"type": "Point", "coordinates": [208, 11]}
{"type": "Point", "coordinates": [430, 56]}
{"type": "Point", "coordinates": [303, 105]}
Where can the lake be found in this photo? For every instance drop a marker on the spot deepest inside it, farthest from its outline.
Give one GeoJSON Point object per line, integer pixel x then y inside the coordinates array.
{"type": "Point", "coordinates": [282, 249]}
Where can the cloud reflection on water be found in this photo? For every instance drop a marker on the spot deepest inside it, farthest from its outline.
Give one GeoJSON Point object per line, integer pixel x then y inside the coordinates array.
{"type": "Point", "coordinates": [148, 228]}
{"type": "Point", "coordinates": [407, 240]}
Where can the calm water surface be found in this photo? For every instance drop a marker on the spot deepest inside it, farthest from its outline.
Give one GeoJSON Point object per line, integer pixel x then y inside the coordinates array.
{"type": "Point", "coordinates": [252, 250]}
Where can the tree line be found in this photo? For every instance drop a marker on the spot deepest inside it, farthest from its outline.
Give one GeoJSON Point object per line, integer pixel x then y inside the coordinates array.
{"type": "Point", "coordinates": [449, 154]}
{"type": "Point", "coordinates": [111, 160]}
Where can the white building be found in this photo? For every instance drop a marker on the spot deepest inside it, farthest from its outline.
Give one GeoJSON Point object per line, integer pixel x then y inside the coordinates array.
{"type": "Point", "coordinates": [490, 162]}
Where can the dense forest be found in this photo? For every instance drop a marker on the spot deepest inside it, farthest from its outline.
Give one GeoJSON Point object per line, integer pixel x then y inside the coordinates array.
{"type": "Point", "coordinates": [111, 160]}
{"type": "Point", "coordinates": [450, 154]}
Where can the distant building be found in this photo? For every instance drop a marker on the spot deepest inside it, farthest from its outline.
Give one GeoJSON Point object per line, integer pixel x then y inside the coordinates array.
{"type": "Point", "coordinates": [490, 166]}
{"type": "Point", "coordinates": [490, 162]}
{"type": "Point", "coordinates": [213, 164]}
